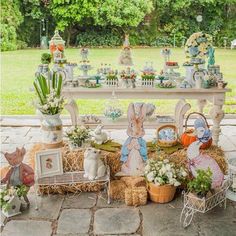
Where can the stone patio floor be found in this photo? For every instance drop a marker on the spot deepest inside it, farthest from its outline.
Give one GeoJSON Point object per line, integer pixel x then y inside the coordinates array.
{"type": "Point", "coordinates": [89, 214]}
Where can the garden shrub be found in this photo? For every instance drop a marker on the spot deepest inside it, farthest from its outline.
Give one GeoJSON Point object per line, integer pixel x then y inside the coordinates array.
{"type": "Point", "coordinates": [104, 37]}
{"type": "Point", "coordinates": [8, 38]}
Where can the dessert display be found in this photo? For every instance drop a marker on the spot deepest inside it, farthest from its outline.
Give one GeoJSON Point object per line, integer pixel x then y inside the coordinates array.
{"type": "Point", "coordinates": [198, 50]}
{"type": "Point", "coordinates": [148, 72]}
{"type": "Point", "coordinates": [128, 77]}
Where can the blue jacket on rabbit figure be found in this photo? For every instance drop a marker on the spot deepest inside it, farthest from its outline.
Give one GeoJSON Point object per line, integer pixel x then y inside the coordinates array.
{"type": "Point", "coordinates": [134, 150]}
{"type": "Point", "coordinates": [142, 150]}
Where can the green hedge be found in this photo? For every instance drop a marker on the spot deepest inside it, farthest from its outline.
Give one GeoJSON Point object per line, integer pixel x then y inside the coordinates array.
{"type": "Point", "coordinates": [98, 38]}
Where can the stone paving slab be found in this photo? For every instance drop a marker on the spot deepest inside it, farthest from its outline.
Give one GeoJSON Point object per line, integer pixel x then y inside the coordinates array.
{"type": "Point", "coordinates": [74, 221]}
{"type": "Point", "coordinates": [82, 200]}
{"type": "Point", "coordinates": [230, 154]}
{"type": "Point", "coordinates": [163, 220]}
{"type": "Point", "coordinates": [8, 131]}
{"type": "Point", "coordinates": [71, 235]}
{"type": "Point", "coordinates": [226, 144]}
{"type": "Point", "coordinates": [102, 202]}
{"type": "Point", "coordinates": [27, 228]}
{"type": "Point", "coordinates": [48, 207]}
{"type": "Point", "coordinates": [116, 221]}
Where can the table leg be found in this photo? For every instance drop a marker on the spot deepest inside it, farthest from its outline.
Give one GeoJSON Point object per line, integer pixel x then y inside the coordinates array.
{"type": "Point", "coordinates": [201, 104]}
{"type": "Point", "coordinates": [217, 114]}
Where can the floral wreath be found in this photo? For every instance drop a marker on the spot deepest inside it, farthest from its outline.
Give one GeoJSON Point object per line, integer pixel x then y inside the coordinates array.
{"type": "Point", "coordinates": [198, 45]}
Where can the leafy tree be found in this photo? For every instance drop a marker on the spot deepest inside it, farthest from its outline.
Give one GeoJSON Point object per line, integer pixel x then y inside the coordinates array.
{"type": "Point", "coordinates": [68, 13]}
{"type": "Point", "coordinates": [33, 12]}
{"type": "Point", "coordinates": [10, 20]}
{"type": "Point", "coordinates": [122, 14]}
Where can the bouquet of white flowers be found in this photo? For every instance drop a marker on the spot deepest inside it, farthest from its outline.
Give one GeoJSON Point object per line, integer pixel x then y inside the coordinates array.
{"type": "Point", "coordinates": [161, 172]}
{"type": "Point", "coordinates": [52, 104]}
{"type": "Point", "coordinates": [50, 101]}
{"type": "Point", "coordinates": [77, 135]}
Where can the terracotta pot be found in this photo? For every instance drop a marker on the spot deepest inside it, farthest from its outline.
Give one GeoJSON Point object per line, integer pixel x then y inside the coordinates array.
{"type": "Point", "coordinates": [161, 194]}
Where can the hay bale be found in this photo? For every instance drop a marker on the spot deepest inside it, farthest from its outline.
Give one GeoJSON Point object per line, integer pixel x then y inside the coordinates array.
{"type": "Point", "coordinates": [73, 160]}
{"type": "Point", "coordinates": [132, 181]}
{"type": "Point", "coordinates": [180, 157]}
{"type": "Point", "coordinates": [117, 190]}
{"type": "Point", "coordinates": [136, 196]}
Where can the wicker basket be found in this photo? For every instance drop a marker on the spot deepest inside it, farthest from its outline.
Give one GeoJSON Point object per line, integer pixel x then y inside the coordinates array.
{"type": "Point", "coordinates": [161, 194]}
{"type": "Point", "coordinates": [166, 143]}
{"type": "Point", "coordinates": [189, 137]}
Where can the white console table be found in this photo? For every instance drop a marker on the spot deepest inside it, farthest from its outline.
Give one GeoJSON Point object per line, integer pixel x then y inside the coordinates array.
{"type": "Point", "coordinates": [213, 95]}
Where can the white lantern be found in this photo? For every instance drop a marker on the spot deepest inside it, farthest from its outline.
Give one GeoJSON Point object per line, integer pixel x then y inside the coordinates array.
{"type": "Point", "coordinates": [231, 193]}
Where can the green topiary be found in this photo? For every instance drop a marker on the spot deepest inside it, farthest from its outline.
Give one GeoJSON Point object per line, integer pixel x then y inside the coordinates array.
{"type": "Point", "coordinates": [46, 58]}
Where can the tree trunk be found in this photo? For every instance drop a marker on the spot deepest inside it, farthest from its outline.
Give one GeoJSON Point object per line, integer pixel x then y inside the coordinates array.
{"type": "Point", "coordinates": [68, 36]}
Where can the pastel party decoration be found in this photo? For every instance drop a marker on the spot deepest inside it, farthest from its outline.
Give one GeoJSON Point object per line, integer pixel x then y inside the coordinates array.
{"type": "Point", "coordinates": [134, 150]}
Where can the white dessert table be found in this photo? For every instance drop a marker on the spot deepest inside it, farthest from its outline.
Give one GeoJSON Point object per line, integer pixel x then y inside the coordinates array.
{"type": "Point", "coordinates": [213, 95]}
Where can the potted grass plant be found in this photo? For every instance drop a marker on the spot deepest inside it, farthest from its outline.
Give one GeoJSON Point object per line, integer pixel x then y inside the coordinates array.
{"type": "Point", "coordinates": [162, 178]}
{"type": "Point", "coordinates": [50, 103]}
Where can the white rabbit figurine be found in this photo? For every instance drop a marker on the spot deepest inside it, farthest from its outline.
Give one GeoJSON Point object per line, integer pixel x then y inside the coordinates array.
{"type": "Point", "coordinates": [94, 167]}
{"type": "Point", "coordinates": [134, 150]}
{"type": "Point", "coordinates": [99, 135]}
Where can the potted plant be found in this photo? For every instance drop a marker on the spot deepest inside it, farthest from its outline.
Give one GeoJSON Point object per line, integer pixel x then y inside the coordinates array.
{"type": "Point", "coordinates": [50, 104]}
{"type": "Point", "coordinates": [163, 177]}
{"type": "Point", "coordinates": [46, 58]}
{"type": "Point", "coordinates": [148, 75]}
{"type": "Point", "coordinates": [10, 202]}
{"type": "Point", "coordinates": [77, 136]}
{"type": "Point", "coordinates": [112, 75]}
{"type": "Point", "coordinates": [199, 188]}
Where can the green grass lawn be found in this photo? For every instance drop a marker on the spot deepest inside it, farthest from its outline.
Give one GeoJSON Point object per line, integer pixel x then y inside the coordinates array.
{"type": "Point", "coordinates": [18, 68]}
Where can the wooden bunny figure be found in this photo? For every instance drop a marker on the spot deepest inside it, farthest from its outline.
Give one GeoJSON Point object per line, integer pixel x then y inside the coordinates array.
{"type": "Point", "coordinates": [19, 173]}
{"type": "Point", "coordinates": [198, 160]}
{"type": "Point", "coordinates": [134, 150]}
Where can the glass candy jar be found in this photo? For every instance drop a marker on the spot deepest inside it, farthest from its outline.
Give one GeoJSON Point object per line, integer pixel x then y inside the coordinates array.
{"type": "Point", "coordinates": [113, 108]}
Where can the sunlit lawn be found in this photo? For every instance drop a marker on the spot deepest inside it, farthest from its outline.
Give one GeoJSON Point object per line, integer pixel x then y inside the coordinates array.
{"type": "Point", "coordinates": [18, 68]}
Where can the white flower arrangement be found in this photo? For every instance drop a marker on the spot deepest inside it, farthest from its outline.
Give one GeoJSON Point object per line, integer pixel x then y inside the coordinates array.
{"type": "Point", "coordinates": [161, 172]}
{"type": "Point", "coordinates": [52, 105]}
{"type": "Point", "coordinates": [78, 135]}
{"type": "Point", "coordinates": [198, 45]}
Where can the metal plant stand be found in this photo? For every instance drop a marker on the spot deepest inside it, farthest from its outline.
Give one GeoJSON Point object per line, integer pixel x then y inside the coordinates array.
{"type": "Point", "coordinates": [193, 204]}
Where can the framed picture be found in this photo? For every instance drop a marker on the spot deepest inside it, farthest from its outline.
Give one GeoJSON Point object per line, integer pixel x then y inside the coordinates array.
{"type": "Point", "coordinates": [49, 163]}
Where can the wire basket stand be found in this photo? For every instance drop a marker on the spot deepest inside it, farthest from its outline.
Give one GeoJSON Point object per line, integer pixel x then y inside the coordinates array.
{"type": "Point", "coordinates": [193, 204]}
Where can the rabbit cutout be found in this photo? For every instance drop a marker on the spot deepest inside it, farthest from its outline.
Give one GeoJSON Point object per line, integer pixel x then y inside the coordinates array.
{"type": "Point", "coordinates": [134, 150]}
{"type": "Point", "coordinates": [19, 173]}
{"type": "Point", "coordinates": [94, 167]}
